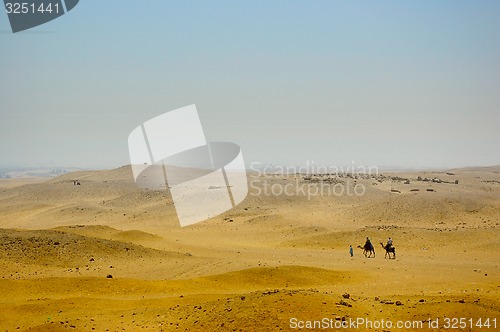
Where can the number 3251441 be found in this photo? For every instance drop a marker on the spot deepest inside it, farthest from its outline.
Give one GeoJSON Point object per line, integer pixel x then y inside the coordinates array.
{"type": "Point", "coordinates": [27, 8]}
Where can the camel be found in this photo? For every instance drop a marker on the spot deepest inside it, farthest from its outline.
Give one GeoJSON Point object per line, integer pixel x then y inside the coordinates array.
{"type": "Point", "coordinates": [368, 249]}
{"type": "Point", "coordinates": [389, 251]}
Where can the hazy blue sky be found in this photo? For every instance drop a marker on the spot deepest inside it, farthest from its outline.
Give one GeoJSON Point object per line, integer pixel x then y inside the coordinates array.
{"type": "Point", "coordinates": [407, 83]}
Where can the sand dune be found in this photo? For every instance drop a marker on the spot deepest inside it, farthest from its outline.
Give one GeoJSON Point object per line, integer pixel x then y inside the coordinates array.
{"type": "Point", "coordinates": [271, 258]}
{"type": "Point", "coordinates": [17, 182]}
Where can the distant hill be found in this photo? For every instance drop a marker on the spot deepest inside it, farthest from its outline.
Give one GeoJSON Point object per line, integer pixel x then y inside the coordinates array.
{"type": "Point", "coordinates": [34, 172]}
{"type": "Point", "coordinates": [121, 174]}
{"type": "Point", "coordinates": [492, 169]}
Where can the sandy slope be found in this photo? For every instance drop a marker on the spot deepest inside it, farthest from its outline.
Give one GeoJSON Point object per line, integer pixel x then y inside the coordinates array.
{"type": "Point", "coordinates": [17, 182]}
{"type": "Point", "coordinates": [272, 258]}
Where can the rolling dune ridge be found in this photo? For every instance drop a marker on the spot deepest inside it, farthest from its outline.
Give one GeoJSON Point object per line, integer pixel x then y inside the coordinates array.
{"type": "Point", "coordinates": [106, 254]}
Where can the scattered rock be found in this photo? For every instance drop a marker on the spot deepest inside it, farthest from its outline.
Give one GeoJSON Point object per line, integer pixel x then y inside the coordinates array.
{"type": "Point", "coordinates": [461, 301]}
{"type": "Point", "coordinates": [109, 276]}
{"type": "Point", "coordinates": [344, 303]}
{"type": "Point", "coordinates": [346, 295]}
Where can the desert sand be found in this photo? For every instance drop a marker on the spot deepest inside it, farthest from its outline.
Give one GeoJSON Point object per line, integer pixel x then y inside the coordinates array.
{"type": "Point", "coordinates": [109, 256]}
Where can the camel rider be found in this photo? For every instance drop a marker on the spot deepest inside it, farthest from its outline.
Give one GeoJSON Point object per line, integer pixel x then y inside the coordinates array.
{"type": "Point", "coordinates": [368, 244]}
{"type": "Point", "coordinates": [389, 243]}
